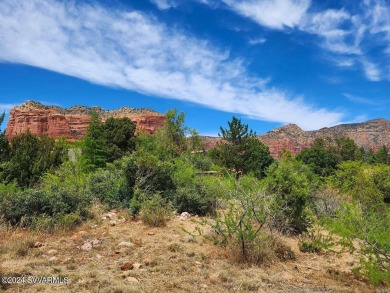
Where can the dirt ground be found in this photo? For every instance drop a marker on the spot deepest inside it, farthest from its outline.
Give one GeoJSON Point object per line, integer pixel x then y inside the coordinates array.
{"type": "Point", "coordinates": [120, 255]}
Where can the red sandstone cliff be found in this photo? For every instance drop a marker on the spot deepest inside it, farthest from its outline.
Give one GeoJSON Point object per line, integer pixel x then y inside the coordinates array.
{"type": "Point", "coordinates": [73, 122]}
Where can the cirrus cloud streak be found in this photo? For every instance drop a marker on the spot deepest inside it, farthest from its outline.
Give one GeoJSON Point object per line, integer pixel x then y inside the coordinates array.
{"type": "Point", "coordinates": [134, 51]}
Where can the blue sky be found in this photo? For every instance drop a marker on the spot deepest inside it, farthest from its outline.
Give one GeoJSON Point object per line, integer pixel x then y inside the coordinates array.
{"type": "Point", "coordinates": [269, 62]}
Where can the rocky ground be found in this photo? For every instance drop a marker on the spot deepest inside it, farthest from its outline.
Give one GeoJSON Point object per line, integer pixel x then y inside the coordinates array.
{"type": "Point", "coordinates": [116, 254]}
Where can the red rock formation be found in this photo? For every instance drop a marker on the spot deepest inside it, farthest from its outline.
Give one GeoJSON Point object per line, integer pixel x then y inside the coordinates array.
{"type": "Point", "coordinates": [73, 122]}
{"type": "Point", "coordinates": [370, 135]}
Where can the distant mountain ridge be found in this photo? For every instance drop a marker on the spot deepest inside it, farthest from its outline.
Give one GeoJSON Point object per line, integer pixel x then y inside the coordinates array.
{"type": "Point", "coordinates": [73, 122]}
{"type": "Point", "coordinates": [371, 134]}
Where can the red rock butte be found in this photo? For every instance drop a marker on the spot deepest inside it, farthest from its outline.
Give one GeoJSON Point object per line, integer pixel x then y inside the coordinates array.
{"type": "Point", "coordinates": [73, 122]}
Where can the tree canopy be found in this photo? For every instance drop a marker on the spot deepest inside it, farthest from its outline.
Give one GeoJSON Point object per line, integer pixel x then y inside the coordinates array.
{"type": "Point", "coordinates": [242, 150]}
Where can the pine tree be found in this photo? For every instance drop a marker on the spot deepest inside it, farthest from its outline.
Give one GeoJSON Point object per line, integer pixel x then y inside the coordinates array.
{"type": "Point", "coordinates": [242, 150]}
{"type": "Point", "coordinates": [4, 147]}
{"type": "Point", "coordinates": [94, 153]}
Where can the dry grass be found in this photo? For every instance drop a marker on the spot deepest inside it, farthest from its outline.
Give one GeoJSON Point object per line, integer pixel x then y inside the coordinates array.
{"type": "Point", "coordinates": [170, 260]}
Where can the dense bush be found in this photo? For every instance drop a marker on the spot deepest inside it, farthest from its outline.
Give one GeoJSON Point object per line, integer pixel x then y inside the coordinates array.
{"type": "Point", "coordinates": [155, 211]}
{"type": "Point", "coordinates": [94, 149]}
{"type": "Point", "coordinates": [370, 229]}
{"type": "Point", "coordinates": [38, 207]}
{"type": "Point", "coordinates": [365, 183]}
{"type": "Point", "coordinates": [30, 156]}
{"type": "Point", "coordinates": [321, 162]}
{"type": "Point", "coordinates": [293, 185]}
{"type": "Point", "coordinates": [196, 199]}
{"type": "Point", "coordinates": [382, 156]}
{"type": "Point", "coordinates": [193, 192]}
{"type": "Point", "coordinates": [110, 187]}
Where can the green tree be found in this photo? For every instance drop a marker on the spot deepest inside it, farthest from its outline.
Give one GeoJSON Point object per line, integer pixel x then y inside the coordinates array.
{"type": "Point", "coordinates": [242, 150]}
{"type": "Point", "coordinates": [366, 184]}
{"type": "Point", "coordinates": [29, 157]}
{"type": "Point", "coordinates": [94, 152]}
{"type": "Point", "coordinates": [118, 134]}
{"type": "Point", "coordinates": [4, 148]}
{"type": "Point", "coordinates": [172, 136]}
{"type": "Point", "coordinates": [342, 148]}
{"type": "Point", "coordinates": [170, 140]}
{"type": "Point", "coordinates": [382, 156]}
{"type": "Point", "coordinates": [323, 163]}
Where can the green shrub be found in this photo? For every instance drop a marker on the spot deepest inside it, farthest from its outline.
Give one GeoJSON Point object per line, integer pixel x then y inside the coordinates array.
{"type": "Point", "coordinates": [364, 183]}
{"type": "Point", "coordinates": [110, 187]}
{"type": "Point", "coordinates": [321, 162]}
{"type": "Point", "coordinates": [118, 134]}
{"type": "Point", "coordinates": [308, 246]}
{"type": "Point", "coordinates": [293, 185]}
{"type": "Point", "coordinates": [370, 226]}
{"type": "Point", "coordinates": [42, 208]}
{"type": "Point", "coordinates": [30, 156]}
{"type": "Point", "coordinates": [196, 199]}
{"type": "Point", "coordinates": [156, 211]}
{"type": "Point", "coordinates": [241, 221]}
{"type": "Point", "coordinates": [193, 193]}
{"type": "Point", "coordinates": [10, 188]}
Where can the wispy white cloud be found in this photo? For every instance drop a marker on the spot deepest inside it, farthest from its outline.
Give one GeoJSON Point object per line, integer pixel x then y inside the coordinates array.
{"type": "Point", "coordinates": [165, 4]}
{"type": "Point", "coordinates": [343, 33]}
{"type": "Point", "coordinates": [358, 119]}
{"type": "Point", "coordinates": [371, 70]}
{"type": "Point", "coordinates": [360, 100]}
{"type": "Point", "coordinates": [134, 51]}
{"type": "Point", "coordinates": [275, 14]}
{"type": "Point", "coordinates": [338, 30]}
{"type": "Point", "coordinates": [258, 41]}
{"type": "Point", "coordinates": [351, 35]}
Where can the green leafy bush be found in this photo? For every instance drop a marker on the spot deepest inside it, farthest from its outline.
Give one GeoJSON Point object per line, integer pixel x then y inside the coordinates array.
{"type": "Point", "coordinates": [30, 156]}
{"type": "Point", "coordinates": [94, 148]}
{"type": "Point", "coordinates": [155, 211]}
{"type": "Point", "coordinates": [196, 199]}
{"type": "Point", "coordinates": [364, 183]}
{"type": "Point", "coordinates": [240, 225]}
{"type": "Point", "coordinates": [292, 184]}
{"type": "Point", "coordinates": [118, 134]}
{"type": "Point", "coordinates": [310, 246]}
{"type": "Point", "coordinates": [193, 192]}
{"type": "Point", "coordinates": [110, 187]}
{"type": "Point", "coordinates": [41, 208]}
{"type": "Point", "coordinates": [370, 227]}
{"type": "Point", "coordinates": [321, 162]}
